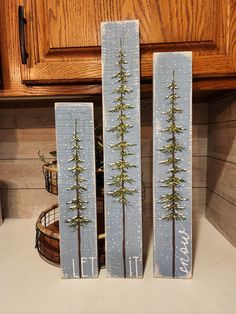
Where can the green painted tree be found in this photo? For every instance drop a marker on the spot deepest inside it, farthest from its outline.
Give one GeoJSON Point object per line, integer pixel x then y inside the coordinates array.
{"type": "Point", "coordinates": [78, 204]}
{"type": "Point", "coordinates": [121, 182]}
{"type": "Point", "coordinates": [173, 200]}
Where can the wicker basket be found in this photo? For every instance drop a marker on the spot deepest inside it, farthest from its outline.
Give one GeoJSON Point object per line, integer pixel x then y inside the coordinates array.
{"type": "Point", "coordinates": [50, 177]}
{"type": "Point", "coordinates": [47, 239]}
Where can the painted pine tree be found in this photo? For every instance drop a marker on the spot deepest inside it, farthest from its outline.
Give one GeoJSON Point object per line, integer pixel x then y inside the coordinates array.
{"type": "Point", "coordinates": [172, 200]}
{"type": "Point", "coordinates": [78, 204]}
{"type": "Point", "coordinates": [121, 182]}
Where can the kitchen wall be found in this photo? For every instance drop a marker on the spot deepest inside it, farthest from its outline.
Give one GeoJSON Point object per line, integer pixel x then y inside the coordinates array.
{"type": "Point", "coordinates": [221, 164]}
{"type": "Point", "coordinates": [27, 126]}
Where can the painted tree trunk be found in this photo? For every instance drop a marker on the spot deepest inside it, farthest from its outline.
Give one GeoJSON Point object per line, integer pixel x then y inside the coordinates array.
{"type": "Point", "coordinates": [77, 189]}
{"type": "Point", "coordinates": [122, 158]}
{"type": "Point", "coordinates": [172, 164]}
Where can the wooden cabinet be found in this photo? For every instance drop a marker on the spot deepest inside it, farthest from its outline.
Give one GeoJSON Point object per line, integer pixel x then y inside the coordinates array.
{"type": "Point", "coordinates": [63, 37]}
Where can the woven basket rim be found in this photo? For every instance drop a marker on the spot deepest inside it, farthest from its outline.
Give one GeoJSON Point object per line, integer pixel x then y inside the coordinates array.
{"type": "Point", "coordinates": [43, 229]}
{"type": "Point", "coordinates": [50, 168]}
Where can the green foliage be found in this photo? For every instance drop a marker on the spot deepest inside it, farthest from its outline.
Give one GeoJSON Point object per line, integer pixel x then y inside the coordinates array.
{"type": "Point", "coordinates": [172, 200]}
{"type": "Point", "coordinates": [99, 148]}
{"type": "Point", "coordinates": [121, 181]}
{"type": "Point", "coordinates": [47, 162]}
{"type": "Point", "coordinates": [78, 204]}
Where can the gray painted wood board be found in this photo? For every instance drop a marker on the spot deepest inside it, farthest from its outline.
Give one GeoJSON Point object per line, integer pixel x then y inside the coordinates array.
{"type": "Point", "coordinates": [173, 237]}
{"type": "Point", "coordinates": [123, 226]}
{"type": "Point", "coordinates": [78, 246]}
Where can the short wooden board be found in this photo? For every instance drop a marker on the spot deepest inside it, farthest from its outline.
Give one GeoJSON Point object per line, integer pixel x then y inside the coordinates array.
{"type": "Point", "coordinates": [78, 247]}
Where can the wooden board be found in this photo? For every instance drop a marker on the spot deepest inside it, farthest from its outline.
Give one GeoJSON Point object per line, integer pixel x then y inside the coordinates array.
{"type": "Point", "coordinates": [199, 139]}
{"type": "Point", "coordinates": [199, 202]}
{"type": "Point", "coordinates": [222, 141]}
{"type": "Point", "coordinates": [200, 113]}
{"type": "Point", "coordinates": [222, 178]}
{"type": "Point", "coordinates": [199, 168]}
{"type": "Point", "coordinates": [25, 203]}
{"type": "Point", "coordinates": [25, 173]}
{"type": "Point", "coordinates": [222, 215]}
{"type": "Point", "coordinates": [123, 223]}
{"type": "Point", "coordinates": [223, 109]}
{"type": "Point", "coordinates": [25, 143]}
{"type": "Point", "coordinates": [200, 133]}
{"type": "Point", "coordinates": [172, 227]}
{"type": "Point", "coordinates": [75, 150]}
{"type": "Point", "coordinates": [27, 115]}
{"type": "Point", "coordinates": [221, 166]}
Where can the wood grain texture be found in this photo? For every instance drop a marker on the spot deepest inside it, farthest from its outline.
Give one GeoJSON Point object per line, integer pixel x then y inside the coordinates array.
{"type": "Point", "coordinates": [199, 202]}
{"type": "Point", "coordinates": [56, 56]}
{"type": "Point", "coordinates": [222, 141]}
{"type": "Point", "coordinates": [77, 40]}
{"type": "Point", "coordinates": [26, 143]}
{"type": "Point", "coordinates": [221, 178]}
{"type": "Point", "coordinates": [76, 188]}
{"type": "Point", "coordinates": [28, 125]}
{"type": "Point", "coordinates": [221, 166]}
{"type": "Point", "coordinates": [199, 168]}
{"type": "Point", "coordinates": [152, 14]}
{"type": "Point", "coordinates": [223, 110]}
{"type": "Point", "coordinates": [38, 113]}
{"type": "Point", "coordinates": [222, 215]}
{"type": "Point", "coordinates": [200, 113]}
{"type": "Point", "coordinates": [29, 203]}
{"type": "Point", "coordinates": [123, 222]}
{"type": "Point", "coordinates": [172, 219]}
{"type": "Point", "coordinates": [22, 174]}
{"type": "Point", "coordinates": [78, 245]}
{"type": "Point", "coordinates": [26, 174]}
{"type": "Point", "coordinates": [199, 139]}
{"type": "Point", "coordinates": [25, 203]}
{"type": "Point", "coordinates": [27, 115]}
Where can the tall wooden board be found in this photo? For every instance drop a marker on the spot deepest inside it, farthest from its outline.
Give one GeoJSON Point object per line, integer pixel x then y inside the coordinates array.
{"type": "Point", "coordinates": [172, 164]}
{"type": "Point", "coordinates": [78, 246]}
{"type": "Point", "coordinates": [123, 224]}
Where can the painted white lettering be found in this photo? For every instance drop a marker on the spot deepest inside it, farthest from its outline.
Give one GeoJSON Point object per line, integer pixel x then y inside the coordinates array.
{"type": "Point", "coordinates": [130, 267]}
{"type": "Point", "coordinates": [136, 264]}
{"type": "Point", "coordinates": [73, 267]}
{"type": "Point", "coordinates": [93, 264]}
{"type": "Point", "coordinates": [133, 266]}
{"type": "Point", "coordinates": [184, 250]}
{"type": "Point", "coordinates": [83, 261]}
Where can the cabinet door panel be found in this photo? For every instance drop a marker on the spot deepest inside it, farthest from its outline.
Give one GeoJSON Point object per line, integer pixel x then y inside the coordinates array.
{"type": "Point", "coordinates": [63, 36]}
{"type": "Point", "coordinates": [76, 23]}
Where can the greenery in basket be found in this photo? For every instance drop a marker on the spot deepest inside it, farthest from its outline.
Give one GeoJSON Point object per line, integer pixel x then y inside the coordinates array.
{"type": "Point", "coordinates": [173, 200]}
{"type": "Point", "coordinates": [98, 152]}
{"type": "Point", "coordinates": [48, 162]}
{"type": "Point", "coordinates": [121, 182]}
{"type": "Point", "coordinates": [78, 204]}
{"type": "Point", "coordinates": [99, 148]}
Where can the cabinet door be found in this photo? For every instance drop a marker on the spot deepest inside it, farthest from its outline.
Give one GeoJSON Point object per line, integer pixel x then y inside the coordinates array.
{"type": "Point", "coordinates": [63, 36]}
